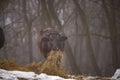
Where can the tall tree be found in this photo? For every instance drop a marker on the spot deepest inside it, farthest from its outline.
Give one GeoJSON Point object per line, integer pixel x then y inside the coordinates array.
{"type": "Point", "coordinates": [45, 14]}
{"type": "Point", "coordinates": [88, 39]}
{"type": "Point", "coordinates": [110, 14]}
{"type": "Point", "coordinates": [68, 50]}
{"type": "Point", "coordinates": [28, 22]}
{"type": "Point", "coordinates": [3, 4]}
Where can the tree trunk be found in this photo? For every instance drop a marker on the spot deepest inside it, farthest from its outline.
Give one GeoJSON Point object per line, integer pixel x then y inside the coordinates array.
{"type": "Point", "coordinates": [29, 28]}
{"type": "Point", "coordinates": [3, 4]}
{"type": "Point", "coordinates": [88, 40]}
{"type": "Point", "coordinates": [113, 31]}
{"type": "Point", "coordinates": [68, 51]}
{"type": "Point", "coordinates": [45, 13]}
{"type": "Point", "coordinates": [29, 25]}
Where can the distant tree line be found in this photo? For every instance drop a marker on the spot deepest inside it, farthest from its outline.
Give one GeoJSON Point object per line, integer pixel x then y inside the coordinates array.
{"type": "Point", "coordinates": [92, 28]}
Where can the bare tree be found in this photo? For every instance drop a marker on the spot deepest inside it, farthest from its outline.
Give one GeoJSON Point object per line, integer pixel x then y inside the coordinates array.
{"type": "Point", "coordinates": [92, 28]}
{"type": "Point", "coordinates": [88, 40]}
{"type": "Point", "coordinates": [68, 50]}
{"type": "Point", "coordinates": [110, 14]}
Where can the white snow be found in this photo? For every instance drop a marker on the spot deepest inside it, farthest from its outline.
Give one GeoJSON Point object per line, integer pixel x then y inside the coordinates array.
{"type": "Point", "coordinates": [15, 75]}
{"type": "Point", "coordinates": [47, 77]}
{"type": "Point", "coordinates": [5, 75]}
{"type": "Point", "coordinates": [116, 75]}
{"type": "Point", "coordinates": [21, 74]}
{"type": "Point", "coordinates": [88, 78]}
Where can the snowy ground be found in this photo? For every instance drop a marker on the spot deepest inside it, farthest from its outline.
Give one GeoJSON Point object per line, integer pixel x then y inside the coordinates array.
{"type": "Point", "coordinates": [21, 75]}
{"type": "Point", "coordinates": [16, 75]}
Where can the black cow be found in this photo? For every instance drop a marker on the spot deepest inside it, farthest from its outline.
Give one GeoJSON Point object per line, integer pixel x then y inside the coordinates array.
{"type": "Point", "coordinates": [51, 39]}
{"type": "Point", "coordinates": [2, 38]}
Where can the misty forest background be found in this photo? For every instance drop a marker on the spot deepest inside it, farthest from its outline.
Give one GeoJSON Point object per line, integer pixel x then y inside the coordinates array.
{"type": "Point", "coordinates": [92, 28]}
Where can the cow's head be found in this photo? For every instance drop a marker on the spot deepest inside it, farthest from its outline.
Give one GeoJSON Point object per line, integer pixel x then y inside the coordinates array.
{"type": "Point", "coordinates": [51, 39]}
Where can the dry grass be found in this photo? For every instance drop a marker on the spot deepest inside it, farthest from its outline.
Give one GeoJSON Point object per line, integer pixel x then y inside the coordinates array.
{"type": "Point", "coordinates": [34, 67]}
{"type": "Point", "coordinates": [8, 65]}
{"type": "Point", "coordinates": [53, 64]}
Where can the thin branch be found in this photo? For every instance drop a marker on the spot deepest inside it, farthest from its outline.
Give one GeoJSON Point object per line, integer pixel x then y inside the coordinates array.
{"type": "Point", "coordinates": [69, 18]}
{"type": "Point", "coordinates": [92, 34]}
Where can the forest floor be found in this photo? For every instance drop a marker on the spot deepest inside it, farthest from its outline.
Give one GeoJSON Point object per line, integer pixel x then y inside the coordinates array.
{"type": "Point", "coordinates": [23, 75]}
{"type": "Point", "coordinates": [40, 70]}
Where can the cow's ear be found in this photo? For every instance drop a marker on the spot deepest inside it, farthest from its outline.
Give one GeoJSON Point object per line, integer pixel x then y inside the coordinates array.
{"type": "Point", "coordinates": [63, 38]}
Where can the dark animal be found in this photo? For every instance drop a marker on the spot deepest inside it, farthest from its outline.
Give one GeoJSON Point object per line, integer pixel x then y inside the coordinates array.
{"type": "Point", "coordinates": [51, 39]}
{"type": "Point", "coordinates": [2, 38]}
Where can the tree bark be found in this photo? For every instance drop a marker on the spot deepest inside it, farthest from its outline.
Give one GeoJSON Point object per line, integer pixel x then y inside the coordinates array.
{"type": "Point", "coordinates": [68, 50]}
{"type": "Point", "coordinates": [113, 31]}
{"type": "Point", "coordinates": [45, 13]}
{"type": "Point", "coordinates": [3, 4]}
{"type": "Point", "coordinates": [29, 30]}
{"type": "Point", "coordinates": [88, 40]}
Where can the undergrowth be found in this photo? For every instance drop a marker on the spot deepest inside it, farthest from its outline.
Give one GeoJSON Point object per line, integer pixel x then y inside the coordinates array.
{"type": "Point", "coordinates": [51, 66]}
{"type": "Point", "coordinates": [8, 64]}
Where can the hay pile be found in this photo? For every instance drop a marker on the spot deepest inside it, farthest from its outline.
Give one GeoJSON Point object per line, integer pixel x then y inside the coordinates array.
{"type": "Point", "coordinates": [8, 64]}
{"type": "Point", "coordinates": [51, 66]}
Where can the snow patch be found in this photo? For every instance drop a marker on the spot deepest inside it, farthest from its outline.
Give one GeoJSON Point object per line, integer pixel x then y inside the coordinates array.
{"type": "Point", "coordinates": [5, 75]}
{"type": "Point", "coordinates": [21, 74]}
{"type": "Point", "coordinates": [15, 75]}
{"type": "Point", "coordinates": [116, 76]}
